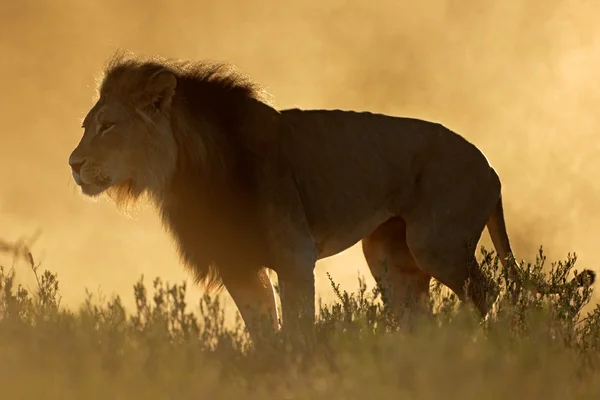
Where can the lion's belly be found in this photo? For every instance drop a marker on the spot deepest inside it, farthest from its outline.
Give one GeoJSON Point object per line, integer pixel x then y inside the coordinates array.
{"type": "Point", "coordinates": [335, 241]}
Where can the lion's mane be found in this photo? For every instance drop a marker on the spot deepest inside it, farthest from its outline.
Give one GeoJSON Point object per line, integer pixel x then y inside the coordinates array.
{"type": "Point", "coordinates": [224, 129]}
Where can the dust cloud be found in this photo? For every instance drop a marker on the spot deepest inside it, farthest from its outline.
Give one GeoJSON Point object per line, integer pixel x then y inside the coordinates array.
{"type": "Point", "coordinates": [519, 79]}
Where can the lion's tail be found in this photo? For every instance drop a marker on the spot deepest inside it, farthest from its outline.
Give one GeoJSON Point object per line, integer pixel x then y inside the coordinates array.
{"type": "Point", "coordinates": [497, 229]}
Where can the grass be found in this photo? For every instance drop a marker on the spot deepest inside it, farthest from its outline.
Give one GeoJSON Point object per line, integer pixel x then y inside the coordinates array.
{"type": "Point", "coordinates": [534, 346]}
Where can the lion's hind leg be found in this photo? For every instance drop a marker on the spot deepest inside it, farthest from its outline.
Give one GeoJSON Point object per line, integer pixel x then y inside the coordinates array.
{"type": "Point", "coordinates": [405, 286]}
{"type": "Point", "coordinates": [447, 252]}
{"type": "Point", "coordinates": [456, 196]}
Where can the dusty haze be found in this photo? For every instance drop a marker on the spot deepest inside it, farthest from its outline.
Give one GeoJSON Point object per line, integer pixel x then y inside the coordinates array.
{"type": "Point", "coordinates": [520, 81]}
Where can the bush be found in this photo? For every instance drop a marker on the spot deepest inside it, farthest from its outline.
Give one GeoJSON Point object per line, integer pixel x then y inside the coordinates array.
{"type": "Point", "coordinates": [536, 345]}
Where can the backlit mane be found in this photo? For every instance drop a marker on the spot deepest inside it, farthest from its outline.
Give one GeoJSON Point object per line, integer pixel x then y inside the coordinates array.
{"type": "Point", "coordinates": [218, 82]}
{"type": "Point", "coordinates": [219, 119]}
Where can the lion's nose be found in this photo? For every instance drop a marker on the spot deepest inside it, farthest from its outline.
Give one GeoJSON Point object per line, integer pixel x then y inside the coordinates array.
{"type": "Point", "coordinates": [76, 165]}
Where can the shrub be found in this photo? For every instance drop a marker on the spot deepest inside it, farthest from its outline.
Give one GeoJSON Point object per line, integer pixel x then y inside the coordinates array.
{"type": "Point", "coordinates": [538, 345]}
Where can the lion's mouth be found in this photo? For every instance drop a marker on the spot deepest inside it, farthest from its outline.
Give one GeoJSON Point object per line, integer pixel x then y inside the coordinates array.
{"type": "Point", "coordinates": [94, 188]}
{"type": "Point", "coordinates": [77, 178]}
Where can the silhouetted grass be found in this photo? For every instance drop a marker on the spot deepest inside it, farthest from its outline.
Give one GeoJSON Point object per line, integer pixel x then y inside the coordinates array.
{"type": "Point", "coordinates": [534, 346]}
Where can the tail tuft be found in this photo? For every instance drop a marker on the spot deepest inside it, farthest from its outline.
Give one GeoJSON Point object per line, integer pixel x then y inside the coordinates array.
{"type": "Point", "coordinates": [586, 277]}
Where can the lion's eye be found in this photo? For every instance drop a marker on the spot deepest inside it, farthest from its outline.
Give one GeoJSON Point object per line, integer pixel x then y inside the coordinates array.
{"type": "Point", "coordinates": [105, 127]}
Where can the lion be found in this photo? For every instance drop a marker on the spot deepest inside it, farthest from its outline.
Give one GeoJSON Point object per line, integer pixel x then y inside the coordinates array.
{"type": "Point", "coordinates": [243, 187]}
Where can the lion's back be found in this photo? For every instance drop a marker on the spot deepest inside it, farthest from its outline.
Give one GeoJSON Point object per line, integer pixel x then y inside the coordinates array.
{"type": "Point", "coordinates": [348, 144]}
{"type": "Point", "coordinates": [341, 145]}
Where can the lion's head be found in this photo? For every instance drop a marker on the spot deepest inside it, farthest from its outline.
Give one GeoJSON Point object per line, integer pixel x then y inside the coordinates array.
{"type": "Point", "coordinates": [148, 110]}
{"type": "Point", "coordinates": [128, 146]}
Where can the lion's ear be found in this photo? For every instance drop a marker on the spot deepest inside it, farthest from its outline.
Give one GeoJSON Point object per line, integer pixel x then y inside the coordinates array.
{"type": "Point", "coordinates": [161, 89]}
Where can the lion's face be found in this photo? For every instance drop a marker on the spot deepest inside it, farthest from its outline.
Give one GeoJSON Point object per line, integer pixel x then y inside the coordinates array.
{"type": "Point", "coordinates": [124, 147]}
{"type": "Point", "coordinates": [107, 152]}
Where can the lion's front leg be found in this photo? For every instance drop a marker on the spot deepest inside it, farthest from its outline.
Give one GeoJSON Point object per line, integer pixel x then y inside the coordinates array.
{"type": "Point", "coordinates": [254, 297]}
{"type": "Point", "coordinates": [293, 256]}
{"type": "Point", "coordinates": [297, 284]}
{"type": "Point", "coordinates": [292, 248]}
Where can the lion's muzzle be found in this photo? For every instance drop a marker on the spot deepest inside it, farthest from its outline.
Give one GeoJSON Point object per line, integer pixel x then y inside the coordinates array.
{"type": "Point", "coordinates": [76, 166]}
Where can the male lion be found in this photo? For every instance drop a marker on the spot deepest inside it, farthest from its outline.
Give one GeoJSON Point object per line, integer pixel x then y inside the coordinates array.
{"type": "Point", "coordinates": [242, 186]}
